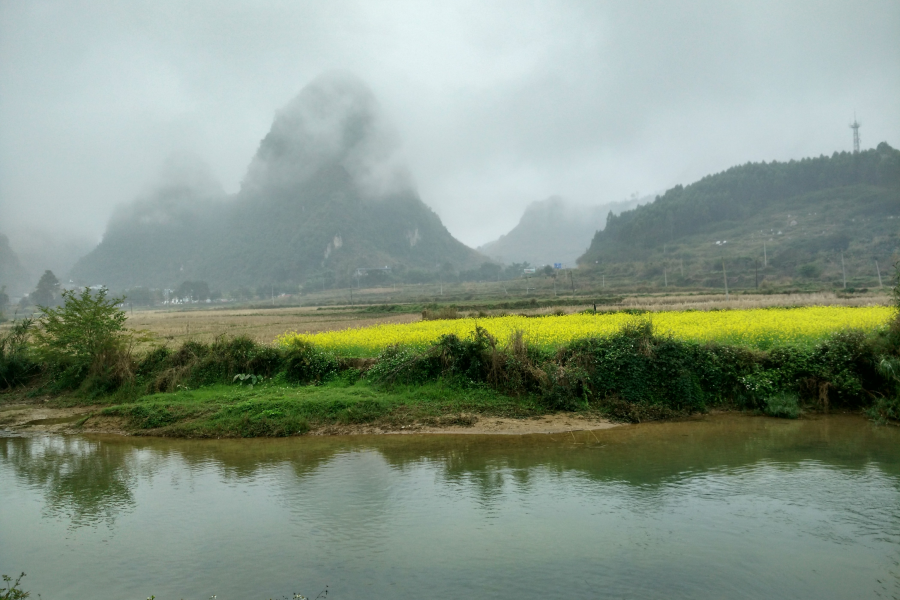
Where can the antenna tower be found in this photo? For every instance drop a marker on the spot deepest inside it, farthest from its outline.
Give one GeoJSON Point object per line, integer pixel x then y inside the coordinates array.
{"type": "Point", "coordinates": [855, 125]}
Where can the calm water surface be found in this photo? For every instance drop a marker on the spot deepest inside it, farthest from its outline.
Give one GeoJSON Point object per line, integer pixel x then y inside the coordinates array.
{"type": "Point", "coordinates": [725, 506]}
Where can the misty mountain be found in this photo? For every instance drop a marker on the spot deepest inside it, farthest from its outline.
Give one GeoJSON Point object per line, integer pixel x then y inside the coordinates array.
{"type": "Point", "coordinates": [325, 194]}
{"type": "Point", "coordinates": [12, 274]}
{"type": "Point", "coordinates": [554, 231]}
{"type": "Point", "coordinates": [40, 250]}
{"type": "Point", "coordinates": [791, 215]}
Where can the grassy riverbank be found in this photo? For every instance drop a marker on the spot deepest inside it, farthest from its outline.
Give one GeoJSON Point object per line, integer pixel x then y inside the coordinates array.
{"type": "Point", "coordinates": [275, 409]}
{"type": "Point", "coordinates": [635, 370]}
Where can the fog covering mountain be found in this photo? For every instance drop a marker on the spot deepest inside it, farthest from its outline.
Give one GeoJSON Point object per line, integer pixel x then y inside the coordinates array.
{"type": "Point", "coordinates": [806, 212]}
{"type": "Point", "coordinates": [325, 194]}
{"type": "Point", "coordinates": [554, 231]}
{"type": "Point", "coordinates": [12, 275]}
{"type": "Point", "coordinates": [40, 250]}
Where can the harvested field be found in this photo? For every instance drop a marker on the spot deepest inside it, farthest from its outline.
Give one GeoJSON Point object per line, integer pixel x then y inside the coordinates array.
{"type": "Point", "coordinates": [261, 325]}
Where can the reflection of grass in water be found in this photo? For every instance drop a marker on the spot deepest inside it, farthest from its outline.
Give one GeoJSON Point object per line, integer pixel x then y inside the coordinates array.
{"type": "Point", "coordinates": [276, 409]}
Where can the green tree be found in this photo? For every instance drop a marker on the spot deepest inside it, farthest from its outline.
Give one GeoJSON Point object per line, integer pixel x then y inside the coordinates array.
{"type": "Point", "coordinates": [86, 335]}
{"type": "Point", "coordinates": [47, 290]}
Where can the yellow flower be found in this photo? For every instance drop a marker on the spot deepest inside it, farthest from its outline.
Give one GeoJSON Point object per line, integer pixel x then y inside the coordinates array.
{"type": "Point", "coordinates": [757, 328]}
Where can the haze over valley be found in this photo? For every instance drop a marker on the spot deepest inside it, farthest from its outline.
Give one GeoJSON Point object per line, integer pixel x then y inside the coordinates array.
{"type": "Point", "coordinates": [327, 148]}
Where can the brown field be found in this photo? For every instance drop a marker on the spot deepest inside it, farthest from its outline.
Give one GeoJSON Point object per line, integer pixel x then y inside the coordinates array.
{"type": "Point", "coordinates": [265, 324]}
{"type": "Point", "coordinates": [262, 325]}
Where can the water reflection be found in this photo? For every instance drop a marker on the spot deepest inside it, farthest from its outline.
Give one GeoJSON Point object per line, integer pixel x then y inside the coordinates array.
{"type": "Point", "coordinates": [740, 505]}
{"type": "Point", "coordinates": [82, 481]}
{"type": "Point", "coordinates": [90, 478]}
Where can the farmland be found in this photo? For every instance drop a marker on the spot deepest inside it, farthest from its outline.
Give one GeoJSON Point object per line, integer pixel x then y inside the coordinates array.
{"type": "Point", "coordinates": [760, 329]}
{"type": "Point", "coordinates": [263, 323]}
{"type": "Point", "coordinates": [282, 371]}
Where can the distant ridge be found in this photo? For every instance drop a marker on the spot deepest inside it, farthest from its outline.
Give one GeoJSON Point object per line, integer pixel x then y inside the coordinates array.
{"type": "Point", "coordinates": [554, 231]}
{"type": "Point", "coordinates": [324, 195]}
{"type": "Point", "coordinates": [798, 218]}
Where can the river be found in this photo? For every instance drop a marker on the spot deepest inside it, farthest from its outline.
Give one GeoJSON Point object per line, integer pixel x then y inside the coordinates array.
{"type": "Point", "coordinates": [720, 506]}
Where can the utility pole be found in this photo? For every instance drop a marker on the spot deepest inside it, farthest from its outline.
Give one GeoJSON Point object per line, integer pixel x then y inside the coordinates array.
{"type": "Point", "coordinates": [273, 294]}
{"type": "Point", "coordinates": [765, 257]}
{"type": "Point", "coordinates": [756, 269]}
{"type": "Point", "coordinates": [725, 277]}
{"type": "Point", "coordinates": [881, 285]}
{"type": "Point", "coordinates": [843, 270]}
{"type": "Point", "coordinates": [572, 279]}
{"type": "Point", "coordinates": [665, 274]}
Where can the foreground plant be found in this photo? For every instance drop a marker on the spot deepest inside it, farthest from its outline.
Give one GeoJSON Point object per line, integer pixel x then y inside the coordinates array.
{"type": "Point", "coordinates": [13, 591]}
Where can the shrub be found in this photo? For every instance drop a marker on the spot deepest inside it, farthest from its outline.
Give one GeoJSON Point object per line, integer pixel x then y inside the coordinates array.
{"type": "Point", "coordinates": [196, 364]}
{"type": "Point", "coordinates": [633, 367]}
{"type": "Point", "coordinates": [466, 358]}
{"type": "Point", "coordinates": [306, 363]}
{"type": "Point", "coordinates": [86, 338]}
{"type": "Point", "coordinates": [16, 363]}
{"type": "Point", "coordinates": [399, 365]}
{"type": "Point", "coordinates": [887, 407]}
{"type": "Point", "coordinates": [784, 405]}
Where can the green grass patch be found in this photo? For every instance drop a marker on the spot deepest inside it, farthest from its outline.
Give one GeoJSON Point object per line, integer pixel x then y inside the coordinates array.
{"type": "Point", "coordinates": [276, 409]}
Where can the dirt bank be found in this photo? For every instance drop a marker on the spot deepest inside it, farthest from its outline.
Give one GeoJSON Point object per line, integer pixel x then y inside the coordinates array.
{"type": "Point", "coordinates": [31, 419]}
{"type": "Point", "coordinates": [37, 419]}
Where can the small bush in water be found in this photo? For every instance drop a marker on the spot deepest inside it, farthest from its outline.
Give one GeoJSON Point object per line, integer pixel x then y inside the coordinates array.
{"type": "Point", "coordinates": [784, 405]}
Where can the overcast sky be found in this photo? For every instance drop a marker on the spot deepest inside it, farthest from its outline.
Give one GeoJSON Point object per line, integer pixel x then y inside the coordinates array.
{"type": "Point", "coordinates": [497, 103]}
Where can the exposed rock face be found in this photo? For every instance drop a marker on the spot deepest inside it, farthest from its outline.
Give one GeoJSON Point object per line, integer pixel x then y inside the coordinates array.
{"type": "Point", "coordinates": [326, 190]}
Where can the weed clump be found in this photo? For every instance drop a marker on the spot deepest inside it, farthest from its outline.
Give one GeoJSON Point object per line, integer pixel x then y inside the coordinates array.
{"type": "Point", "coordinates": [784, 405]}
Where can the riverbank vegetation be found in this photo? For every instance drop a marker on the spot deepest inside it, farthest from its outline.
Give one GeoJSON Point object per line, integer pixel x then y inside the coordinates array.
{"type": "Point", "coordinates": [626, 366]}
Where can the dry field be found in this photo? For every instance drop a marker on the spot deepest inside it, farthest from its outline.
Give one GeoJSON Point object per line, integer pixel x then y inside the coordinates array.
{"type": "Point", "coordinates": [264, 325]}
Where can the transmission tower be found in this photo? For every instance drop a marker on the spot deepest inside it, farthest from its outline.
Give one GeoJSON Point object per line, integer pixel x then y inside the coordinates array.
{"type": "Point", "coordinates": [855, 125]}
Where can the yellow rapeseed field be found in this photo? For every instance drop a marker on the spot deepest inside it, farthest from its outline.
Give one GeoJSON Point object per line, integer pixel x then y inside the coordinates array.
{"type": "Point", "coordinates": [757, 328]}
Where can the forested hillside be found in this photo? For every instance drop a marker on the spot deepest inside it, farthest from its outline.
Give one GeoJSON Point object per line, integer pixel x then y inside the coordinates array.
{"type": "Point", "coordinates": [797, 220]}
{"type": "Point", "coordinates": [323, 197]}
